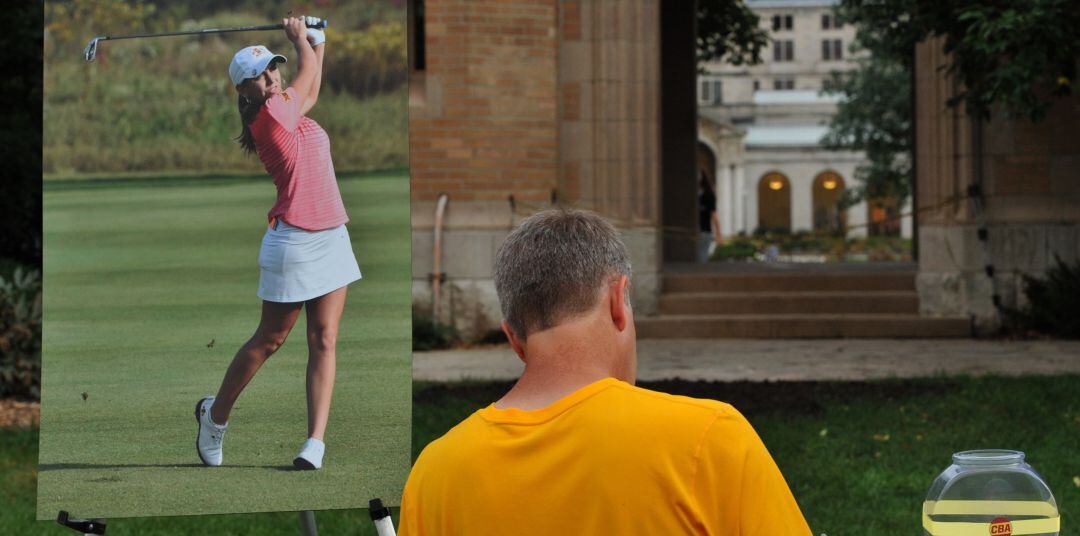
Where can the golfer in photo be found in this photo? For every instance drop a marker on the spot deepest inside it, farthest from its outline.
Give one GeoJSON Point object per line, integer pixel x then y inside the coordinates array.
{"type": "Point", "coordinates": [306, 259]}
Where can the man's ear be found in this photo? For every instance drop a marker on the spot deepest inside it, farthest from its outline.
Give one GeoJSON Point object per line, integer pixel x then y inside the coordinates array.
{"type": "Point", "coordinates": [515, 343]}
{"type": "Point", "coordinates": [620, 310]}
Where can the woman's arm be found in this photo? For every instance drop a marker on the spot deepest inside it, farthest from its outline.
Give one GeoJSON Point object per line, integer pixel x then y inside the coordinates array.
{"type": "Point", "coordinates": [313, 96]}
{"type": "Point", "coordinates": [308, 69]}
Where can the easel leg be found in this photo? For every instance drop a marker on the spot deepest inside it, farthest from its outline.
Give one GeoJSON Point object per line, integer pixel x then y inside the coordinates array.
{"type": "Point", "coordinates": [86, 526]}
{"type": "Point", "coordinates": [307, 523]}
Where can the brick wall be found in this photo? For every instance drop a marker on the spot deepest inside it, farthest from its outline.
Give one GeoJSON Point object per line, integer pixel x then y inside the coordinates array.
{"type": "Point", "coordinates": [485, 125]}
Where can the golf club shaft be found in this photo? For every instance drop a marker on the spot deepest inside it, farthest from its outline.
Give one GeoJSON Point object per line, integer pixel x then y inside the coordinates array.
{"type": "Point", "coordinates": [321, 24]}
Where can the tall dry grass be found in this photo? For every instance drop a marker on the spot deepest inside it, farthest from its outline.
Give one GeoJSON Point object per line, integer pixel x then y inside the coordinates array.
{"type": "Point", "coordinates": [167, 104]}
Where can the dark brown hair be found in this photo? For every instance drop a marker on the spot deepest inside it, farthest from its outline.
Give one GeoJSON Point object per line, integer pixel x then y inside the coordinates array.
{"type": "Point", "coordinates": [248, 110]}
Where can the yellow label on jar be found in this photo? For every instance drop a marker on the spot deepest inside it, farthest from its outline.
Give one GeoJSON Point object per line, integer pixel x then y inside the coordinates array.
{"type": "Point", "coordinates": [1003, 523]}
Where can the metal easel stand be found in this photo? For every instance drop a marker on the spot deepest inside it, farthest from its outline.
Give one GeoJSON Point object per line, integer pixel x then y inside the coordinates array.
{"type": "Point", "coordinates": [85, 526]}
{"type": "Point", "coordinates": [380, 515]}
{"type": "Point", "coordinates": [307, 523]}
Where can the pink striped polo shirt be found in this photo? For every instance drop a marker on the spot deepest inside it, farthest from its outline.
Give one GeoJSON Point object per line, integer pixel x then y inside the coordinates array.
{"type": "Point", "coordinates": [296, 152]}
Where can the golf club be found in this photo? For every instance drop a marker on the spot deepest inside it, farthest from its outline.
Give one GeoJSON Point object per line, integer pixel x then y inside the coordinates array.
{"type": "Point", "coordinates": [91, 47]}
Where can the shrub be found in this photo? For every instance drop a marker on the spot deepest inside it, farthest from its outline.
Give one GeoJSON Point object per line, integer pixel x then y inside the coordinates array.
{"type": "Point", "coordinates": [430, 334]}
{"type": "Point", "coordinates": [368, 61]}
{"type": "Point", "coordinates": [20, 335]}
{"type": "Point", "coordinates": [738, 248]}
{"type": "Point", "coordinates": [1053, 304]}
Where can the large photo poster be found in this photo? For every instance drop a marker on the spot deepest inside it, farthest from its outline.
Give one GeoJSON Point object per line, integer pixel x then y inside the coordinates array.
{"type": "Point", "coordinates": [226, 238]}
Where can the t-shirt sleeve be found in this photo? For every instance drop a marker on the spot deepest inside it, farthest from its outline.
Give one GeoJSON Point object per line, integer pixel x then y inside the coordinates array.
{"type": "Point", "coordinates": [737, 482]}
{"type": "Point", "coordinates": [409, 519]}
{"type": "Point", "coordinates": [285, 109]}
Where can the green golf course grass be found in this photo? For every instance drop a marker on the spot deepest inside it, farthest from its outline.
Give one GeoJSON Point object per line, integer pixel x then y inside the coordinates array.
{"type": "Point", "coordinates": [859, 456]}
{"type": "Point", "coordinates": [150, 290]}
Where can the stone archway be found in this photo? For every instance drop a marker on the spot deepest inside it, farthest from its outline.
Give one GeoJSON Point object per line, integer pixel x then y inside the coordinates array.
{"type": "Point", "coordinates": [774, 202]}
{"type": "Point", "coordinates": [828, 189]}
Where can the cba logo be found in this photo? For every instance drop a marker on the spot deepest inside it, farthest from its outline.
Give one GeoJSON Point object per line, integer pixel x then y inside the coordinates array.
{"type": "Point", "coordinates": [1001, 527]}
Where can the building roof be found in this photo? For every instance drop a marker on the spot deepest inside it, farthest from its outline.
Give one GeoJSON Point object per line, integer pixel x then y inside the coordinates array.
{"type": "Point", "coordinates": [795, 135]}
{"type": "Point", "coordinates": [799, 96]}
{"type": "Point", "coordinates": [754, 4]}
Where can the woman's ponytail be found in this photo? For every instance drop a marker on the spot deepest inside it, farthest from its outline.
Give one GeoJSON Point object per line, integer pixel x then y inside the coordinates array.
{"type": "Point", "coordinates": [248, 110]}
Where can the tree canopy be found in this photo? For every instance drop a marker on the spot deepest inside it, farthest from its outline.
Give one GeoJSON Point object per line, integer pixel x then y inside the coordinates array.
{"type": "Point", "coordinates": [1012, 59]}
{"type": "Point", "coordinates": [728, 30]}
{"type": "Point", "coordinates": [1017, 55]}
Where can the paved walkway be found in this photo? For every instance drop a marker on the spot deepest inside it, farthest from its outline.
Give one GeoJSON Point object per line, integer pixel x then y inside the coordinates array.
{"type": "Point", "coordinates": [836, 359]}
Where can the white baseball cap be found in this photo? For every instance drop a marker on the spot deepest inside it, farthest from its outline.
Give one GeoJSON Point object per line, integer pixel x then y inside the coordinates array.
{"type": "Point", "coordinates": [250, 62]}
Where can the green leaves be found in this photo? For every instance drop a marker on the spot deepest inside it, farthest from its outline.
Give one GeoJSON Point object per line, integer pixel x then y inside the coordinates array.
{"type": "Point", "coordinates": [728, 31]}
{"type": "Point", "coordinates": [1009, 57]}
{"type": "Point", "coordinates": [1053, 300]}
{"type": "Point", "coordinates": [20, 335]}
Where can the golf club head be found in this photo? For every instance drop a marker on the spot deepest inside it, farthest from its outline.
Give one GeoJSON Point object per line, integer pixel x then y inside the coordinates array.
{"type": "Point", "coordinates": [91, 49]}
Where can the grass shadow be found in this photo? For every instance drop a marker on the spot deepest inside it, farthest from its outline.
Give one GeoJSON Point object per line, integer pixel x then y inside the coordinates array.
{"type": "Point", "coordinates": [76, 466]}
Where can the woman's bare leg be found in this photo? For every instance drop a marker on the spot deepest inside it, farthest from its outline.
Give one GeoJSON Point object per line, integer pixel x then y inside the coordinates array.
{"type": "Point", "coordinates": [323, 317]}
{"type": "Point", "coordinates": [276, 323]}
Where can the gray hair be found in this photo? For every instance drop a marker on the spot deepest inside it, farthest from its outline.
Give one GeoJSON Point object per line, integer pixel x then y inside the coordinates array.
{"type": "Point", "coordinates": [553, 265]}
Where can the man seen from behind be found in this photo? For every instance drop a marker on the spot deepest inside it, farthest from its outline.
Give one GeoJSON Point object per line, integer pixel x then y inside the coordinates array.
{"type": "Point", "coordinates": [574, 447]}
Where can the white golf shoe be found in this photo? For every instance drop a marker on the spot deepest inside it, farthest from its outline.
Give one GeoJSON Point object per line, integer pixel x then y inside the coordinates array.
{"type": "Point", "coordinates": [208, 442]}
{"type": "Point", "coordinates": [311, 455]}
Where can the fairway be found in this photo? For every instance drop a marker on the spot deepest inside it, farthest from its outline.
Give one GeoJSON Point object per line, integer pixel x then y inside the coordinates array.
{"type": "Point", "coordinates": [149, 291]}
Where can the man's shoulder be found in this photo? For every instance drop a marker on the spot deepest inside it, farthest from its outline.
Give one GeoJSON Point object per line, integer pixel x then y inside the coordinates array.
{"type": "Point", "coordinates": [453, 442]}
{"type": "Point", "coordinates": [702, 409]}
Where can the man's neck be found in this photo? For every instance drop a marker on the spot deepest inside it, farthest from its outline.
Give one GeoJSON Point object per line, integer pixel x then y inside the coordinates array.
{"type": "Point", "coordinates": [559, 361]}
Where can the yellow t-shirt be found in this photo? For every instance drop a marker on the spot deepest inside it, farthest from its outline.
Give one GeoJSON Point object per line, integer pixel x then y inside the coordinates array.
{"type": "Point", "coordinates": [608, 459]}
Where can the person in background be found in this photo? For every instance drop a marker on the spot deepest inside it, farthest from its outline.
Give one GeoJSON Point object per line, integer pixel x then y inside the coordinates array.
{"type": "Point", "coordinates": [708, 223]}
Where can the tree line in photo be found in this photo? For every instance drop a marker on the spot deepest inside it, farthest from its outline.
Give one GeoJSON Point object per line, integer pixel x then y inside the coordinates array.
{"type": "Point", "coordinates": [166, 104]}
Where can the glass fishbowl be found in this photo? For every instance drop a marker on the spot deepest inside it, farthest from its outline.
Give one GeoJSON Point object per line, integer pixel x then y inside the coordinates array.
{"type": "Point", "coordinates": [992, 493]}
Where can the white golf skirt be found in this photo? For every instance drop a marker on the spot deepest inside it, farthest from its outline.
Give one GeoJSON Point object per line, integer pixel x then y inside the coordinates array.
{"type": "Point", "coordinates": [298, 265]}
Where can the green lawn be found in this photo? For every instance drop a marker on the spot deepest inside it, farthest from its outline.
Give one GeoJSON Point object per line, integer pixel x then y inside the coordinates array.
{"type": "Point", "coordinates": [141, 276]}
{"type": "Point", "coordinates": [847, 482]}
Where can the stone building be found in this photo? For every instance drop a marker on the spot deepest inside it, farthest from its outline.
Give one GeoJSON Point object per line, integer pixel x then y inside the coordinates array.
{"type": "Point", "coordinates": [1029, 175]}
{"type": "Point", "coordinates": [518, 105]}
{"type": "Point", "coordinates": [783, 177]}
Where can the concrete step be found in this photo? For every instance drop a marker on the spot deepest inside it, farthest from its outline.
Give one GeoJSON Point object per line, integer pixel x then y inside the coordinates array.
{"type": "Point", "coordinates": [800, 326]}
{"type": "Point", "coordinates": [789, 282]}
{"type": "Point", "coordinates": [741, 303]}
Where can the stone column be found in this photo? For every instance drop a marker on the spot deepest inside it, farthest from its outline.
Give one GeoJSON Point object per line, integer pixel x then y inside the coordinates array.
{"type": "Point", "coordinates": [740, 200]}
{"type": "Point", "coordinates": [724, 202]}
{"type": "Point", "coordinates": [609, 126]}
{"type": "Point", "coordinates": [802, 204]}
{"type": "Point", "coordinates": [857, 219]}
